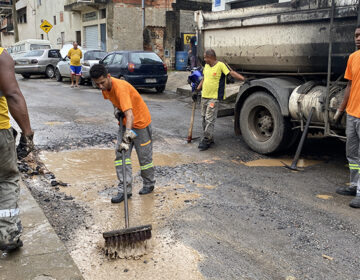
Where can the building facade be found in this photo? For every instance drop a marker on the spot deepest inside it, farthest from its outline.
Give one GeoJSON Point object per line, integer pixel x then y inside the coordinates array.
{"type": "Point", "coordinates": [107, 24]}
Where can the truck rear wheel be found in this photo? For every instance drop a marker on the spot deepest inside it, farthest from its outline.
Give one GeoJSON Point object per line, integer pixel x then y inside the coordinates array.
{"type": "Point", "coordinates": [262, 125]}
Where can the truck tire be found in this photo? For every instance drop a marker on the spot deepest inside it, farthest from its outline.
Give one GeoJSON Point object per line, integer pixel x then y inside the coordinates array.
{"type": "Point", "coordinates": [263, 127]}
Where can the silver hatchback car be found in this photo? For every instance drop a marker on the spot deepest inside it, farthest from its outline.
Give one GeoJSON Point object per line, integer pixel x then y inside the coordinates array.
{"type": "Point", "coordinates": [38, 62]}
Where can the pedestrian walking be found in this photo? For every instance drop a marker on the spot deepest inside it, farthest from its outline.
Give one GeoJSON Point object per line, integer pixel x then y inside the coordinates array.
{"type": "Point", "coordinates": [351, 102]}
{"type": "Point", "coordinates": [212, 92]}
{"type": "Point", "coordinates": [75, 55]}
{"type": "Point", "coordinates": [136, 130]}
{"type": "Point", "coordinates": [11, 99]}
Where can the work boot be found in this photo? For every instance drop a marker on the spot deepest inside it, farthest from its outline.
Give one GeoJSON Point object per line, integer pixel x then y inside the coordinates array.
{"type": "Point", "coordinates": [347, 190]}
{"type": "Point", "coordinates": [119, 197]}
{"type": "Point", "coordinates": [146, 190]}
{"type": "Point", "coordinates": [205, 144]}
{"type": "Point", "coordinates": [355, 202]}
{"type": "Point", "coordinates": [12, 246]}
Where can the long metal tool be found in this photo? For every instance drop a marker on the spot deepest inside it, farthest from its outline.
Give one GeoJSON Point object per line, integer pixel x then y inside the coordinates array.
{"type": "Point", "coordinates": [293, 165]}
{"type": "Point", "coordinates": [328, 79]}
{"type": "Point", "coordinates": [118, 241]}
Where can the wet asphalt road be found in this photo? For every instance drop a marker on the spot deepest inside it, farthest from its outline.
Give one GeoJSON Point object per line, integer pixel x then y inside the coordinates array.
{"type": "Point", "coordinates": [258, 222]}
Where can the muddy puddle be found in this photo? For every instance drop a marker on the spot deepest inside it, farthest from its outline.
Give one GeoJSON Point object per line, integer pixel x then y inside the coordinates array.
{"type": "Point", "coordinates": [278, 162]}
{"type": "Point", "coordinates": [91, 176]}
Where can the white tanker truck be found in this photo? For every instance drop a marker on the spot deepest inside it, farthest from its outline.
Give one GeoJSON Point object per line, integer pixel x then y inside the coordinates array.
{"type": "Point", "coordinates": [296, 53]}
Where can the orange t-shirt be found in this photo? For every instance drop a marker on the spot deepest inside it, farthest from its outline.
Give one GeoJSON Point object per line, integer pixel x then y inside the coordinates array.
{"type": "Point", "coordinates": [353, 74]}
{"type": "Point", "coordinates": [124, 96]}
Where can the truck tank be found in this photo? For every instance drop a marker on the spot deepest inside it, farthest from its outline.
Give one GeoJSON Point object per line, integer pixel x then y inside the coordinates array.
{"type": "Point", "coordinates": [282, 37]}
{"type": "Point", "coordinates": [303, 98]}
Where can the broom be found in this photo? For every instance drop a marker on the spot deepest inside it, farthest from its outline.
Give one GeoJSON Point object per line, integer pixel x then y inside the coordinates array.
{"type": "Point", "coordinates": [130, 241]}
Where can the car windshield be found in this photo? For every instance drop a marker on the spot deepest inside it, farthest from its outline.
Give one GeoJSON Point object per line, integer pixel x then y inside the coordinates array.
{"type": "Point", "coordinates": [94, 55]}
{"type": "Point", "coordinates": [34, 53]}
{"type": "Point", "coordinates": [145, 58]}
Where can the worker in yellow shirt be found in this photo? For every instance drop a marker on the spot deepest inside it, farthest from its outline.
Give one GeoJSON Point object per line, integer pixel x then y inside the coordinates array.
{"type": "Point", "coordinates": [11, 99]}
{"type": "Point", "coordinates": [75, 56]}
{"type": "Point", "coordinates": [213, 91]}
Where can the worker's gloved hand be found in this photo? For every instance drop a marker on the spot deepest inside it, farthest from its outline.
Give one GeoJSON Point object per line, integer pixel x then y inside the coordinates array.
{"type": "Point", "coordinates": [194, 96]}
{"type": "Point", "coordinates": [123, 147]}
{"type": "Point", "coordinates": [118, 113]}
{"type": "Point", "coordinates": [129, 135]}
{"type": "Point", "coordinates": [26, 145]}
{"type": "Point", "coordinates": [338, 115]}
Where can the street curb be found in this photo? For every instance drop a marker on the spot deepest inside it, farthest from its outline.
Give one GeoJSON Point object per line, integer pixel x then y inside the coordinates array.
{"type": "Point", "coordinates": [44, 255]}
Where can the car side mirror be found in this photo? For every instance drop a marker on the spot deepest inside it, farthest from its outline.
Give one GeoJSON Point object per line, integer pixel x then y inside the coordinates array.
{"type": "Point", "coordinates": [101, 62]}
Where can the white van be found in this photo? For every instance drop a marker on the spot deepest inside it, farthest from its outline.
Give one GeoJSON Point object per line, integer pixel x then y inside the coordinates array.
{"type": "Point", "coordinates": [24, 46]}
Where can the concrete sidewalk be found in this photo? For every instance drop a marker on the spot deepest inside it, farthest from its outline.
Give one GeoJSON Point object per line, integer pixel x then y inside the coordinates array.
{"type": "Point", "coordinates": [44, 256]}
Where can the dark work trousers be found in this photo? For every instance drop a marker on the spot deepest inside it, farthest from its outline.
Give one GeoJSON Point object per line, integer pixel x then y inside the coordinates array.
{"type": "Point", "coordinates": [143, 147]}
{"type": "Point", "coordinates": [353, 150]}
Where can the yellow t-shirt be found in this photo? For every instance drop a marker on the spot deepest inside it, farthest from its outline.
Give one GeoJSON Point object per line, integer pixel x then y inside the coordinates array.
{"type": "Point", "coordinates": [214, 81]}
{"type": "Point", "coordinates": [4, 111]}
{"type": "Point", "coordinates": [75, 56]}
{"type": "Point", "coordinates": [353, 74]}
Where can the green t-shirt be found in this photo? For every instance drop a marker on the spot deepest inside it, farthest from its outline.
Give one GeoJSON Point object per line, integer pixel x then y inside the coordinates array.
{"type": "Point", "coordinates": [214, 81]}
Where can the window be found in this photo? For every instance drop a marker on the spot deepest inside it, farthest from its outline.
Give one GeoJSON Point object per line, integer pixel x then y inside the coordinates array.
{"type": "Point", "coordinates": [145, 58]}
{"type": "Point", "coordinates": [103, 13]}
{"type": "Point", "coordinates": [62, 38]}
{"type": "Point", "coordinates": [108, 59]}
{"type": "Point", "coordinates": [34, 53]}
{"type": "Point", "coordinates": [117, 59]}
{"type": "Point", "coordinates": [54, 20]}
{"type": "Point", "coordinates": [42, 36]}
{"type": "Point", "coordinates": [61, 16]}
{"type": "Point", "coordinates": [78, 37]}
{"type": "Point", "coordinates": [21, 15]}
{"type": "Point", "coordinates": [54, 54]}
{"type": "Point", "coordinates": [39, 2]}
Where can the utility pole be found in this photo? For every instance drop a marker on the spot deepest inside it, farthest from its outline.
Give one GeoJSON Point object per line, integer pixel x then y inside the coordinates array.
{"type": "Point", "coordinates": [15, 23]}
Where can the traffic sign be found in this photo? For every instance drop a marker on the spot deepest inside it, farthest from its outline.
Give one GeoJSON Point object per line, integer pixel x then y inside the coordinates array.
{"type": "Point", "coordinates": [46, 26]}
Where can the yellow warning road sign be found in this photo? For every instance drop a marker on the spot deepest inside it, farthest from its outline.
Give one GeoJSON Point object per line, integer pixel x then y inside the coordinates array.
{"type": "Point", "coordinates": [46, 26]}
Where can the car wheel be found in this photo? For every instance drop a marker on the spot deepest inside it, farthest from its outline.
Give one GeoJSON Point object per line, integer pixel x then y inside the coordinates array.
{"type": "Point", "coordinates": [49, 71]}
{"type": "Point", "coordinates": [58, 75]}
{"type": "Point", "coordinates": [26, 76]}
{"type": "Point", "coordinates": [160, 89]}
{"type": "Point", "coordinates": [263, 127]}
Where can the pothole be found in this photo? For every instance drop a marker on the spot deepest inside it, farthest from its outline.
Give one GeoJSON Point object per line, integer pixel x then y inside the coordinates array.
{"type": "Point", "coordinates": [92, 180]}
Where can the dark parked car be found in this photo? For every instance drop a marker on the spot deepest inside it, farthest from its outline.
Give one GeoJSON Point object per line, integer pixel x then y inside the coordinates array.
{"type": "Point", "coordinates": [139, 68]}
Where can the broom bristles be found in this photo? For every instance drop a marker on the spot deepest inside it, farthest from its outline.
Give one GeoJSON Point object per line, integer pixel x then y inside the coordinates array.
{"type": "Point", "coordinates": [127, 243]}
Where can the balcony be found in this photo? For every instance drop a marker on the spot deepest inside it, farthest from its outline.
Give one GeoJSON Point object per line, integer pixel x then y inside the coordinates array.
{"type": "Point", "coordinates": [79, 5]}
{"type": "Point", "coordinates": [5, 8]}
